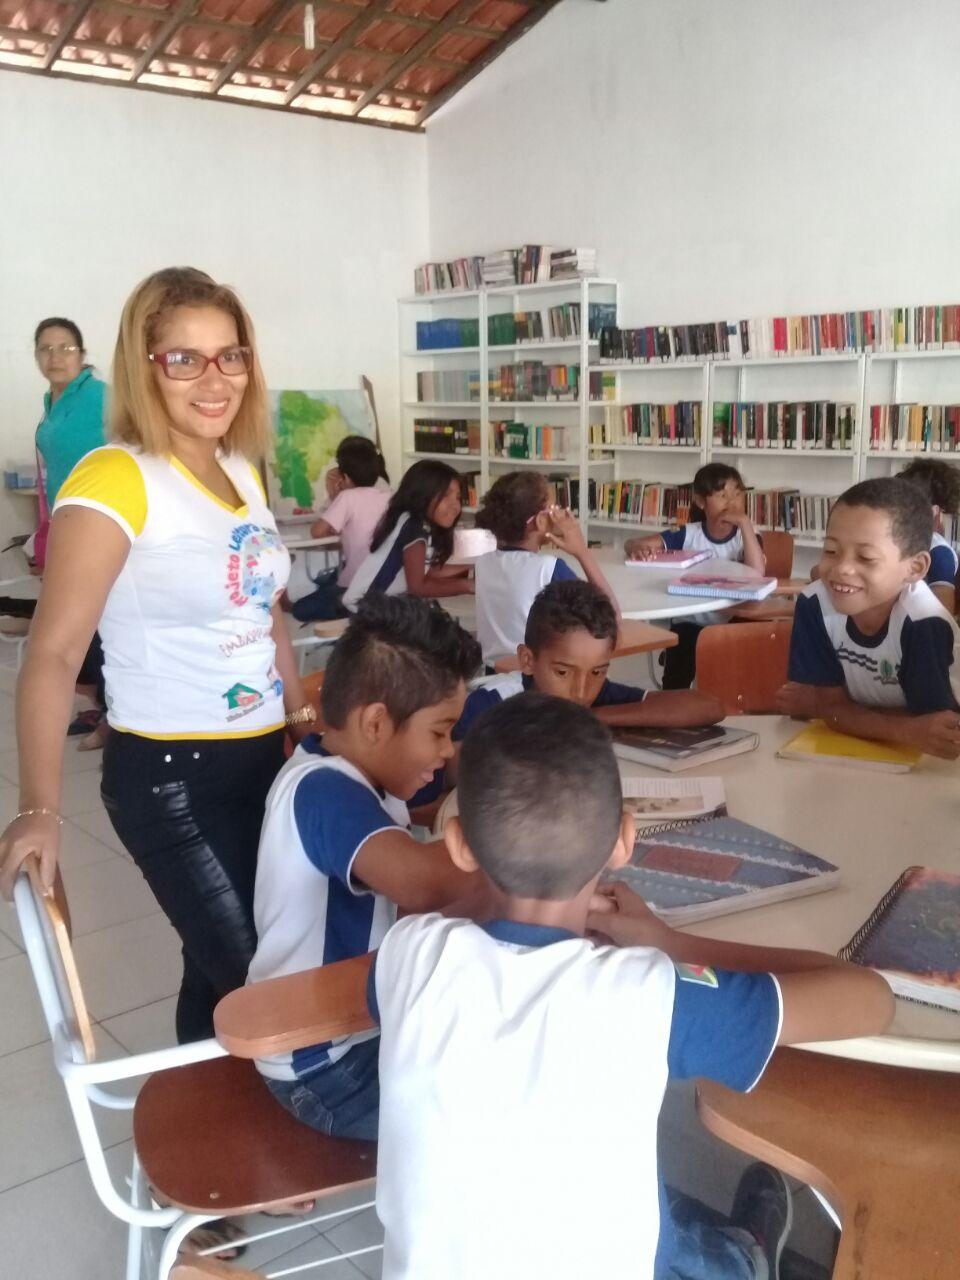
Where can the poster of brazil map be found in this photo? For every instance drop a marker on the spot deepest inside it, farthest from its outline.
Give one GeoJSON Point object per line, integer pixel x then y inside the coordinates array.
{"type": "Point", "coordinates": [308, 426]}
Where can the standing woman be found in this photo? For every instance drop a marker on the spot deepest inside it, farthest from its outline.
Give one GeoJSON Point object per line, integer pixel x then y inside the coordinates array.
{"type": "Point", "coordinates": [73, 407]}
{"type": "Point", "coordinates": [72, 424]}
{"type": "Point", "coordinates": [166, 533]}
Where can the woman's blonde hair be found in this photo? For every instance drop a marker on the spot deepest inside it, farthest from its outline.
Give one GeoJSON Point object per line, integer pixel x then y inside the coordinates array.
{"type": "Point", "coordinates": [137, 412]}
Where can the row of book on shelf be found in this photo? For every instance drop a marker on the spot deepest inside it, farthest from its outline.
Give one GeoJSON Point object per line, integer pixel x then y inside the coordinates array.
{"type": "Point", "coordinates": [649, 424]}
{"type": "Point", "coordinates": [529, 264]}
{"type": "Point", "coordinates": [884, 329]}
{"type": "Point", "coordinates": [658, 504]}
{"type": "Point", "coordinates": [510, 327]}
{"type": "Point", "coordinates": [915, 427]}
{"type": "Point", "coordinates": [816, 424]}
{"type": "Point", "coordinates": [520, 440]}
{"type": "Point", "coordinates": [524, 380]}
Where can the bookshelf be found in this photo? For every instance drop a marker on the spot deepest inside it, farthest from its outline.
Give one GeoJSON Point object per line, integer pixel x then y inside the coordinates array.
{"type": "Point", "coordinates": [861, 380]}
{"type": "Point", "coordinates": [573, 415]}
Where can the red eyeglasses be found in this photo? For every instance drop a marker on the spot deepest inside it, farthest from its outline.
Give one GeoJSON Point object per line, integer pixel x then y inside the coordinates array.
{"type": "Point", "coordinates": [187, 366]}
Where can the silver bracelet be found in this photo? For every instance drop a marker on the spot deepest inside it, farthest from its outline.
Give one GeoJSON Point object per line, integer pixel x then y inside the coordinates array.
{"type": "Point", "coordinates": [29, 813]}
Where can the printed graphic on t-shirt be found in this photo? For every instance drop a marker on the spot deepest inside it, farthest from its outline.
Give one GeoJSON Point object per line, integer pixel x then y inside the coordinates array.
{"type": "Point", "coordinates": [242, 699]}
{"type": "Point", "coordinates": [250, 575]}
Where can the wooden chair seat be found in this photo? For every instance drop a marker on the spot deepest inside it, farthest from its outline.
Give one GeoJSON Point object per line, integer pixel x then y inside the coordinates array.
{"type": "Point", "coordinates": [880, 1143]}
{"type": "Point", "coordinates": [211, 1138]}
{"type": "Point", "coordinates": [764, 610]}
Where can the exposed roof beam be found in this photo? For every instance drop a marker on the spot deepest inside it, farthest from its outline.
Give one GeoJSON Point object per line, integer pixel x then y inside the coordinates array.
{"type": "Point", "coordinates": [55, 48]}
{"type": "Point", "coordinates": [261, 32]}
{"type": "Point", "coordinates": [328, 6]}
{"type": "Point", "coordinates": [162, 37]}
{"type": "Point", "coordinates": [416, 51]}
{"type": "Point", "coordinates": [364, 19]}
{"type": "Point", "coordinates": [534, 13]}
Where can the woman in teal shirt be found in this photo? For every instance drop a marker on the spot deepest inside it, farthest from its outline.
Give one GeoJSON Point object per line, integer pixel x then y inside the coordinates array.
{"type": "Point", "coordinates": [73, 408]}
{"type": "Point", "coordinates": [72, 425]}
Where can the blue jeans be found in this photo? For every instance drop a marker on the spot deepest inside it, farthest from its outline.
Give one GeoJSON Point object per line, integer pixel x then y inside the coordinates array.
{"type": "Point", "coordinates": [695, 1245]}
{"type": "Point", "coordinates": [341, 1099]}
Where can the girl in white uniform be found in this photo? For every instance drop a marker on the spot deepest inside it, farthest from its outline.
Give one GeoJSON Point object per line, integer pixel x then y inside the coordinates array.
{"type": "Point", "coordinates": [718, 523]}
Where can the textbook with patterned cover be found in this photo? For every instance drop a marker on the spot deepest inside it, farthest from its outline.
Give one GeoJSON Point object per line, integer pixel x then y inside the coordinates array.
{"type": "Point", "coordinates": [817, 742]}
{"type": "Point", "coordinates": [717, 586]}
{"type": "Point", "coordinates": [913, 938]}
{"type": "Point", "coordinates": [697, 870]}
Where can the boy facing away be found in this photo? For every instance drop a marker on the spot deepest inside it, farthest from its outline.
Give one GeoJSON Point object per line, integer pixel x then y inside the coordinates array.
{"type": "Point", "coordinates": [336, 858]}
{"type": "Point", "coordinates": [523, 1066]}
{"type": "Point", "coordinates": [873, 652]}
{"type": "Point", "coordinates": [570, 636]}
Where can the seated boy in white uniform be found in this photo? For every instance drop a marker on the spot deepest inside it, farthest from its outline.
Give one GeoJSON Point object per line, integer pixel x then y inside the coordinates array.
{"type": "Point", "coordinates": [522, 1067]}
{"type": "Point", "coordinates": [873, 652]}
{"type": "Point", "coordinates": [570, 636]}
{"type": "Point", "coordinates": [336, 859]}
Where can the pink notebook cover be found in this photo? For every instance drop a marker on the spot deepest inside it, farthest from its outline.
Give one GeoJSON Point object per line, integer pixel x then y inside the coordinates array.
{"type": "Point", "coordinates": [672, 560]}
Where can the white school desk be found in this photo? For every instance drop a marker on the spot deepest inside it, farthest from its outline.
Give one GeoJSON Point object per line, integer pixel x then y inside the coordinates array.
{"type": "Point", "coordinates": [642, 592]}
{"type": "Point", "coordinates": [872, 826]}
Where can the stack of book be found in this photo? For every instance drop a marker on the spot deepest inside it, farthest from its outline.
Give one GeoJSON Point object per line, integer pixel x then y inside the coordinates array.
{"type": "Point", "coordinates": [915, 428]}
{"type": "Point", "coordinates": [884, 329]}
{"type": "Point", "coordinates": [448, 384]}
{"type": "Point", "coordinates": [603, 386]}
{"type": "Point", "coordinates": [658, 343]}
{"type": "Point", "coordinates": [650, 424]}
{"type": "Point", "coordinates": [434, 334]}
{"type": "Point", "coordinates": [530, 264]}
{"type": "Point", "coordinates": [569, 264]}
{"type": "Point", "coordinates": [500, 268]}
{"type": "Point", "coordinates": [534, 380]}
{"type": "Point", "coordinates": [524, 440]}
{"type": "Point", "coordinates": [565, 492]}
{"type": "Point", "coordinates": [802, 514]}
{"type": "Point", "coordinates": [470, 488]}
{"type": "Point", "coordinates": [637, 502]}
{"type": "Point", "coordinates": [456, 436]}
{"type": "Point", "coordinates": [461, 273]}
{"type": "Point", "coordinates": [784, 425]}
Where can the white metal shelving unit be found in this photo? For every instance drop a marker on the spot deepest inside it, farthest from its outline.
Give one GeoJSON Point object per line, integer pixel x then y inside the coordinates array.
{"type": "Point", "coordinates": [479, 304]}
{"type": "Point", "coordinates": [864, 380]}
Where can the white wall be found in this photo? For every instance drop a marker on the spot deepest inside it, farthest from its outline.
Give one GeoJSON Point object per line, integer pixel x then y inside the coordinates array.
{"type": "Point", "coordinates": [318, 224]}
{"type": "Point", "coordinates": [727, 158]}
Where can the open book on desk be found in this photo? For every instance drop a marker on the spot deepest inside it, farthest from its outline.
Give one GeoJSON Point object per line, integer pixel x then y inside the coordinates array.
{"type": "Point", "coordinates": [696, 870]}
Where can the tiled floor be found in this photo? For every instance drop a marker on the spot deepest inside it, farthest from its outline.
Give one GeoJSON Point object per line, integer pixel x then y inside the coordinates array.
{"type": "Point", "coordinates": [52, 1226]}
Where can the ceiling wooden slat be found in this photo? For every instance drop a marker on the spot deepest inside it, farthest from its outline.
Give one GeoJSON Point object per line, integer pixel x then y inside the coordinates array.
{"type": "Point", "coordinates": [253, 50]}
{"type": "Point", "coordinates": [459, 12]}
{"type": "Point", "coordinates": [261, 32]}
{"type": "Point", "coordinates": [362, 22]}
{"type": "Point", "coordinates": [163, 36]}
{"type": "Point", "coordinates": [534, 13]}
{"type": "Point", "coordinates": [69, 28]}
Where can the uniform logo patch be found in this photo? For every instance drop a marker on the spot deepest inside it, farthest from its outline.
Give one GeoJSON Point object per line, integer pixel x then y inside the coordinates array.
{"type": "Point", "coordinates": [701, 974]}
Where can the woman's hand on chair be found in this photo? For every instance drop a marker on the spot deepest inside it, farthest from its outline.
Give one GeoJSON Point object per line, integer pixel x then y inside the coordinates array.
{"type": "Point", "coordinates": [37, 833]}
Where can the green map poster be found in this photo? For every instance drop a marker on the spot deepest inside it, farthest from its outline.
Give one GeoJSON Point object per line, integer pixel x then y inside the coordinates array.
{"type": "Point", "coordinates": [308, 426]}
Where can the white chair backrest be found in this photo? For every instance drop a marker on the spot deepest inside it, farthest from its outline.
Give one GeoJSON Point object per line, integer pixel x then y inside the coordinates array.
{"type": "Point", "coordinates": [45, 923]}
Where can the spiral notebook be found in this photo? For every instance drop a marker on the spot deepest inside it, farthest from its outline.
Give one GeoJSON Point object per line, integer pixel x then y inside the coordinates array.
{"type": "Point", "coordinates": [913, 938]}
{"type": "Point", "coordinates": [717, 586]}
{"type": "Point", "coordinates": [689, 871]}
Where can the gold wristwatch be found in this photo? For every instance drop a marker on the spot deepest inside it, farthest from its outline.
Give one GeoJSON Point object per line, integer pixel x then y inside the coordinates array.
{"type": "Point", "coordinates": [306, 715]}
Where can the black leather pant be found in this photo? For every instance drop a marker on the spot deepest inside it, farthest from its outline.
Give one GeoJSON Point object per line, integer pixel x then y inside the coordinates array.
{"type": "Point", "coordinates": [189, 813]}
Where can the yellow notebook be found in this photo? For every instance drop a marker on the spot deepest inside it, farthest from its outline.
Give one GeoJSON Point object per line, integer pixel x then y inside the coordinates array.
{"type": "Point", "coordinates": [817, 742]}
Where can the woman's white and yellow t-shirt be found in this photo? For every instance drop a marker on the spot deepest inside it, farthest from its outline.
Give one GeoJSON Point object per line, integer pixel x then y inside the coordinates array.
{"type": "Point", "coordinates": [187, 632]}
